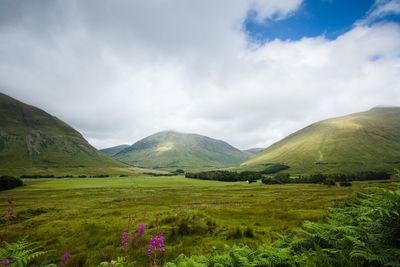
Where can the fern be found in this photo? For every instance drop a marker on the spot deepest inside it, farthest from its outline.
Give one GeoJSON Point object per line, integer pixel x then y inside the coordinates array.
{"type": "Point", "coordinates": [21, 253]}
{"type": "Point", "coordinates": [366, 232]}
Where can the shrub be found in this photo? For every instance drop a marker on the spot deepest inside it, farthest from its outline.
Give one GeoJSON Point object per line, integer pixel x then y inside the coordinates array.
{"type": "Point", "coordinates": [235, 233]}
{"type": "Point", "coordinates": [179, 171]}
{"type": "Point", "coordinates": [345, 183]}
{"type": "Point", "coordinates": [329, 182]}
{"type": "Point", "coordinates": [9, 182]}
{"type": "Point", "coordinates": [248, 232]}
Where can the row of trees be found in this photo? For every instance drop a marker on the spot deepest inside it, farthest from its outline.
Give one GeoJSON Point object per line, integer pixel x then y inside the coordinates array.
{"type": "Point", "coordinates": [40, 176]}
{"type": "Point", "coordinates": [329, 179]}
{"type": "Point", "coordinates": [226, 176]}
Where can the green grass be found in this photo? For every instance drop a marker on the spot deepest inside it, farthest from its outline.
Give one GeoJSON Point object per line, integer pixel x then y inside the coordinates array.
{"type": "Point", "coordinates": [86, 216]}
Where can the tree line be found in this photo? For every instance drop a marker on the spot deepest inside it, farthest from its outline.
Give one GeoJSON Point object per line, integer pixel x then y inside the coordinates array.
{"type": "Point", "coordinates": [329, 179]}
{"type": "Point", "coordinates": [226, 176]}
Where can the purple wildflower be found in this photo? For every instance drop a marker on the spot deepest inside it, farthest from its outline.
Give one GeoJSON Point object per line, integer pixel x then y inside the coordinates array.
{"type": "Point", "coordinates": [125, 238]}
{"type": "Point", "coordinates": [156, 243]}
{"type": "Point", "coordinates": [140, 230]}
{"type": "Point", "coordinates": [9, 211]}
{"type": "Point", "coordinates": [65, 258]}
{"type": "Point", "coordinates": [5, 262]}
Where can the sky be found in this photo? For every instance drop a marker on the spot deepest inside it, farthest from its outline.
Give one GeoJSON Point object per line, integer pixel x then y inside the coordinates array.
{"type": "Point", "coordinates": [248, 72]}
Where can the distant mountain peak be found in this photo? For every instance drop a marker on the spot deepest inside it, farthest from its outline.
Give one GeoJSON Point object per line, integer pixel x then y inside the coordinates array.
{"type": "Point", "coordinates": [171, 149]}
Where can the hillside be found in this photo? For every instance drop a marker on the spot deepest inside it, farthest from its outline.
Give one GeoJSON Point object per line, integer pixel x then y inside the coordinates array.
{"type": "Point", "coordinates": [253, 151]}
{"type": "Point", "coordinates": [111, 151]}
{"type": "Point", "coordinates": [361, 141]}
{"type": "Point", "coordinates": [33, 141]}
{"type": "Point", "coordinates": [171, 150]}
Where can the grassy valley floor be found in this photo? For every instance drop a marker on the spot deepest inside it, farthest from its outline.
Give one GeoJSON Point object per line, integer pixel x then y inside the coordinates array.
{"type": "Point", "coordinates": [87, 216]}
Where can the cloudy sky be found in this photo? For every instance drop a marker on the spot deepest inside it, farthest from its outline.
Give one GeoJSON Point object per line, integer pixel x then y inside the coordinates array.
{"type": "Point", "coordinates": [245, 71]}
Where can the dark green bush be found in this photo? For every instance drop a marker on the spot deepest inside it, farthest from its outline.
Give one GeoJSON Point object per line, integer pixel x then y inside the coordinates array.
{"type": "Point", "coordinates": [235, 233]}
{"type": "Point", "coordinates": [9, 182]}
{"type": "Point", "coordinates": [248, 232]}
{"type": "Point", "coordinates": [329, 182]}
{"type": "Point", "coordinates": [345, 183]}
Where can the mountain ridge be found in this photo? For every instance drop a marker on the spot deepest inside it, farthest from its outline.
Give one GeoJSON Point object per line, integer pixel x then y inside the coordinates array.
{"type": "Point", "coordinates": [173, 149]}
{"type": "Point", "coordinates": [32, 140]}
{"type": "Point", "coordinates": [368, 140]}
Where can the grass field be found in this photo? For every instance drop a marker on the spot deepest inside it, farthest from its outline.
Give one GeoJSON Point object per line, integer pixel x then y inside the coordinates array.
{"type": "Point", "coordinates": [87, 216]}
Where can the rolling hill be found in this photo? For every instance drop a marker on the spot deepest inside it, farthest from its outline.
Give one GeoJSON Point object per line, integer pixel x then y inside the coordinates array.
{"type": "Point", "coordinates": [253, 151]}
{"type": "Point", "coordinates": [33, 141]}
{"type": "Point", "coordinates": [170, 150]}
{"type": "Point", "coordinates": [111, 151]}
{"type": "Point", "coordinates": [361, 141]}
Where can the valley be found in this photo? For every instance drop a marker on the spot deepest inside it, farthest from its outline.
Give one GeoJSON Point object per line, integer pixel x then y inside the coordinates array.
{"type": "Point", "coordinates": [87, 216]}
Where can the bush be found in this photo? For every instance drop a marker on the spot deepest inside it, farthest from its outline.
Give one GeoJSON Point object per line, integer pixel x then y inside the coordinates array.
{"type": "Point", "coordinates": [248, 232]}
{"type": "Point", "coordinates": [345, 183]}
{"type": "Point", "coordinates": [235, 233]}
{"type": "Point", "coordinates": [329, 182]}
{"type": "Point", "coordinates": [179, 171]}
{"type": "Point", "coordinates": [9, 182]}
{"type": "Point", "coordinates": [274, 168]}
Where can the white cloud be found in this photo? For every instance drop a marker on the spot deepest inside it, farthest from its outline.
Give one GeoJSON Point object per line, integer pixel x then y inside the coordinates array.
{"type": "Point", "coordinates": [380, 9]}
{"type": "Point", "coordinates": [120, 70]}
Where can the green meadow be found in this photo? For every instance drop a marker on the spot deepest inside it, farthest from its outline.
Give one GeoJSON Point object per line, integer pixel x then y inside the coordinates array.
{"type": "Point", "coordinates": [86, 216]}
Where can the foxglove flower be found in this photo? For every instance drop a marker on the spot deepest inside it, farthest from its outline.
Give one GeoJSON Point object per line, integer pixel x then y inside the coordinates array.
{"type": "Point", "coordinates": [156, 243]}
{"type": "Point", "coordinates": [5, 262]}
{"type": "Point", "coordinates": [9, 211]}
{"type": "Point", "coordinates": [125, 239]}
{"type": "Point", "coordinates": [140, 230]}
{"type": "Point", "coordinates": [65, 258]}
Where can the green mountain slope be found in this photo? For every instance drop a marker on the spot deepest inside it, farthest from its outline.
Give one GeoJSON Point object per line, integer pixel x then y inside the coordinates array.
{"type": "Point", "coordinates": [253, 151]}
{"type": "Point", "coordinates": [171, 150]}
{"type": "Point", "coordinates": [361, 141]}
{"type": "Point", "coordinates": [32, 140]}
{"type": "Point", "coordinates": [111, 151]}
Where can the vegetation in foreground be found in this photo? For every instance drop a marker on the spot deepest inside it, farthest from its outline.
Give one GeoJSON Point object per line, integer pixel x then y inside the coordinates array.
{"type": "Point", "coordinates": [85, 217]}
{"type": "Point", "coordinates": [364, 232]}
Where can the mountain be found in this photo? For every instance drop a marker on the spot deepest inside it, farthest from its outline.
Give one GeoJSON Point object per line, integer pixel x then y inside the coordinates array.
{"type": "Point", "coordinates": [361, 141]}
{"type": "Point", "coordinates": [170, 150]}
{"type": "Point", "coordinates": [253, 151]}
{"type": "Point", "coordinates": [32, 140]}
{"type": "Point", "coordinates": [111, 151]}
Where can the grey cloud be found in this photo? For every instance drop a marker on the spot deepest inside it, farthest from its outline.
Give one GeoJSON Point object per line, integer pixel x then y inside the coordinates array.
{"type": "Point", "coordinates": [120, 70]}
